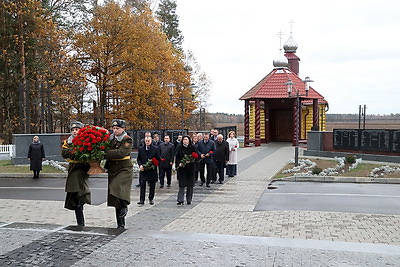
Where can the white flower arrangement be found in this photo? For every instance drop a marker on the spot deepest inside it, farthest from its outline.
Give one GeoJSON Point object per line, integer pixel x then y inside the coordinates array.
{"type": "Point", "coordinates": [355, 164]}
{"type": "Point", "coordinates": [335, 170]}
{"type": "Point", "coordinates": [135, 167]}
{"type": "Point", "coordinates": [303, 164]}
{"type": "Point", "coordinates": [383, 170]}
{"type": "Point", "coordinates": [55, 164]}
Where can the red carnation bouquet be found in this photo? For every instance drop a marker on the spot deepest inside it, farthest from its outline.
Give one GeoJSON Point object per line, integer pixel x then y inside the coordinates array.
{"type": "Point", "coordinates": [150, 164]}
{"type": "Point", "coordinates": [188, 158]}
{"type": "Point", "coordinates": [90, 143]}
{"type": "Point", "coordinates": [209, 154]}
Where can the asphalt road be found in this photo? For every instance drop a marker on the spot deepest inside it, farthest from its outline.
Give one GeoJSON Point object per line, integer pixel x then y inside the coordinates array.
{"type": "Point", "coordinates": [48, 189]}
{"type": "Point", "coordinates": [332, 197]}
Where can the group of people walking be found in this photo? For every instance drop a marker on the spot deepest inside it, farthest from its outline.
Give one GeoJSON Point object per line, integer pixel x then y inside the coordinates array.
{"type": "Point", "coordinates": [204, 156]}
{"type": "Point", "coordinates": [216, 155]}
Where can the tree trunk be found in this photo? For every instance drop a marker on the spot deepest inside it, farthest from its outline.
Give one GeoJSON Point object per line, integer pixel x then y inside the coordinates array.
{"type": "Point", "coordinates": [23, 101]}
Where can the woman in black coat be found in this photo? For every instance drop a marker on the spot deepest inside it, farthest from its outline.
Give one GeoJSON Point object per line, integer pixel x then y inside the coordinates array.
{"type": "Point", "coordinates": [185, 171]}
{"type": "Point", "coordinates": [35, 156]}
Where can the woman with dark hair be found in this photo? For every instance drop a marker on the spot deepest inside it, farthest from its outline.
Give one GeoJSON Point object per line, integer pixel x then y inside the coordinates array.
{"type": "Point", "coordinates": [36, 156]}
{"type": "Point", "coordinates": [185, 157]}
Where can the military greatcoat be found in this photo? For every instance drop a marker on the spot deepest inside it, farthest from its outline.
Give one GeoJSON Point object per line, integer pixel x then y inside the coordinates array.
{"type": "Point", "coordinates": [120, 169]}
{"type": "Point", "coordinates": [77, 179]}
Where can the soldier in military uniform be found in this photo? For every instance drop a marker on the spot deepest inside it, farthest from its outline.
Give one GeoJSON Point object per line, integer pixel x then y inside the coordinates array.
{"type": "Point", "coordinates": [120, 170]}
{"type": "Point", "coordinates": [76, 186]}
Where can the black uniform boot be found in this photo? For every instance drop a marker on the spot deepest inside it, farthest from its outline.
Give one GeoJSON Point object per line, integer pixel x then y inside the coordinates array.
{"type": "Point", "coordinates": [79, 214]}
{"type": "Point", "coordinates": [120, 219]}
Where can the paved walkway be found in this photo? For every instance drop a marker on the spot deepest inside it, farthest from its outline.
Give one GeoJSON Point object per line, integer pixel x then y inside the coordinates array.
{"type": "Point", "coordinates": [220, 228]}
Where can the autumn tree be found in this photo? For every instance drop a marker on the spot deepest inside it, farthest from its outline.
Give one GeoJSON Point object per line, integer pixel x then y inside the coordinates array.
{"type": "Point", "coordinates": [201, 91]}
{"type": "Point", "coordinates": [128, 60]}
{"type": "Point", "coordinates": [36, 68]}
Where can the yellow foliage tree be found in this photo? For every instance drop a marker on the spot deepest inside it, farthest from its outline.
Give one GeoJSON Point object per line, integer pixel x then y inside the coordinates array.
{"type": "Point", "coordinates": [129, 61]}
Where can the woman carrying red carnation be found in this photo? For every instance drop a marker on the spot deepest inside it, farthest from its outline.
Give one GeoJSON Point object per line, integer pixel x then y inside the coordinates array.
{"type": "Point", "coordinates": [185, 170]}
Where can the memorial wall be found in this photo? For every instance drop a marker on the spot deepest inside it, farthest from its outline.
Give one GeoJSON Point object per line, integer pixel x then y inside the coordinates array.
{"type": "Point", "coordinates": [367, 139]}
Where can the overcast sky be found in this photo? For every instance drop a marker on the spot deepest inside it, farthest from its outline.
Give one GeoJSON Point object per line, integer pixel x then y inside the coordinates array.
{"type": "Point", "coordinates": [351, 49]}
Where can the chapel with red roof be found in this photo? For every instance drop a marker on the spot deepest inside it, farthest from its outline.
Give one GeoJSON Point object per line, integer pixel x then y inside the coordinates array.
{"type": "Point", "coordinates": [271, 112]}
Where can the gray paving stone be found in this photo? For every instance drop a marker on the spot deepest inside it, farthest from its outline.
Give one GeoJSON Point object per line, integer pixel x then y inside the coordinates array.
{"type": "Point", "coordinates": [220, 228]}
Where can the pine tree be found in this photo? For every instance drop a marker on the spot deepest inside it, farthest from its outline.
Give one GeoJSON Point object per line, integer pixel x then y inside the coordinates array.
{"type": "Point", "coordinates": [166, 14]}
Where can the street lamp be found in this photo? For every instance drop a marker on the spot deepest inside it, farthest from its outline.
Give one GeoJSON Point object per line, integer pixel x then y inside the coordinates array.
{"type": "Point", "coordinates": [298, 96]}
{"type": "Point", "coordinates": [182, 99]}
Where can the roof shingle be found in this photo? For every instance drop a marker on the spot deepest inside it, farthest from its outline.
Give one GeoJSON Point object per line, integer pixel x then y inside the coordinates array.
{"type": "Point", "coordinates": [274, 86]}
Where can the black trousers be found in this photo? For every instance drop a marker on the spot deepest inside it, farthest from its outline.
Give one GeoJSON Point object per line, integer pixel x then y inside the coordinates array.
{"type": "Point", "coordinates": [209, 167]}
{"type": "Point", "coordinates": [214, 171]}
{"type": "Point", "coordinates": [220, 170]}
{"type": "Point", "coordinates": [163, 172]}
{"type": "Point", "coordinates": [143, 184]}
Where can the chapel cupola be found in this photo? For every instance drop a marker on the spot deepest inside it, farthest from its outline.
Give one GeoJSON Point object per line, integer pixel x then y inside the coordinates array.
{"type": "Point", "coordinates": [281, 61]}
{"type": "Point", "coordinates": [290, 47]}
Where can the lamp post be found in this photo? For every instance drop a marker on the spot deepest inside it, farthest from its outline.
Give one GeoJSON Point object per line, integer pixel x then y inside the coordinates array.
{"type": "Point", "coordinates": [202, 118]}
{"type": "Point", "coordinates": [182, 99]}
{"type": "Point", "coordinates": [297, 96]}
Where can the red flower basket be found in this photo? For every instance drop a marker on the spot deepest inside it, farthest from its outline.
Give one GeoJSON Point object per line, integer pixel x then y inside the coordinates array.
{"type": "Point", "coordinates": [89, 146]}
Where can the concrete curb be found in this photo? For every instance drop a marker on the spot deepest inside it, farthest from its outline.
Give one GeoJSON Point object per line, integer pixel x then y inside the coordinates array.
{"type": "Point", "coordinates": [341, 179]}
{"type": "Point", "coordinates": [45, 175]}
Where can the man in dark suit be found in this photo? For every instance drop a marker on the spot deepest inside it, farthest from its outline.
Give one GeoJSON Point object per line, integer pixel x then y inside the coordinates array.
{"type": "Point", "coordinates": [221, 156]}
{"type": "Point", "coordinates": [167, 152]}
{"type": "Point", "coordinates": [178, 141]}
{"type": "Point", "coordinates": [146, 153]}
{"type": "Point", "coordinates": [206, 148]}
{"type": "Point", "coordinates": [156, 140]}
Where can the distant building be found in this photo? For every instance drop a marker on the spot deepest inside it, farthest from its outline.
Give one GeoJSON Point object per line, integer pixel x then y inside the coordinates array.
{"type": "Point", "coordinates": [270, 113]}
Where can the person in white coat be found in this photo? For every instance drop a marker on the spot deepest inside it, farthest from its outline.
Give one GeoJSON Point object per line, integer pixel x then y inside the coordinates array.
{"type": "Point", "coordinates": [231, 169]}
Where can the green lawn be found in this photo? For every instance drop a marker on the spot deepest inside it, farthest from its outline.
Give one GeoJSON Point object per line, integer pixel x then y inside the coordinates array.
{"type": "Point", "coordinates": [6, 166]}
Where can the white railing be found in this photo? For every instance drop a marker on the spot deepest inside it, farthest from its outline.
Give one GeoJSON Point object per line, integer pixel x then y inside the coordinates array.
{"type": "Point", "coordinates": [7, 149]}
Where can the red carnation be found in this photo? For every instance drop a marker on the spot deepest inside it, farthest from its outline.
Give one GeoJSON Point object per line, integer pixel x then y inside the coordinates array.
{"type": "Point", "coordinates": [210, 152]}
{"type": "Point", "coordinates": [90, 143]}
{"type": "Point", "coordinates": [155, 161]}
{"type": "Point", "coordinates": [195, 155]}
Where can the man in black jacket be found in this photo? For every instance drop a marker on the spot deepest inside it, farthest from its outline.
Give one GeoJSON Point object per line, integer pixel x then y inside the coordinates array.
{"type": "Point", "coordinates": [206, 148]}
{"type": "Point", "coordinates": [167, 151]}
{"type": "Point", "coordinates": [221, 156]}
{"type": "Point", "coordinates": [146, 153]}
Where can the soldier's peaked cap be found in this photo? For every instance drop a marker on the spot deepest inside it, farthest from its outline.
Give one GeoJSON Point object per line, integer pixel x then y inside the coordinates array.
{"type": "Point", "coordinates": [118, 122]}
{"type": "Point", "coordinates": [76, 124]}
